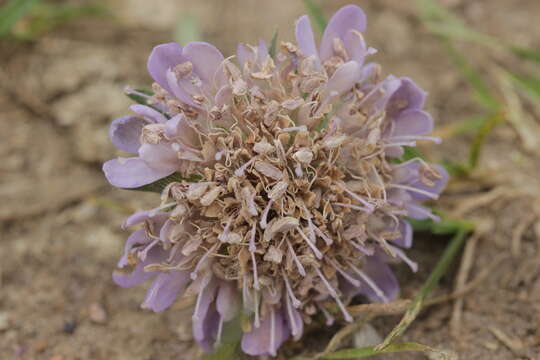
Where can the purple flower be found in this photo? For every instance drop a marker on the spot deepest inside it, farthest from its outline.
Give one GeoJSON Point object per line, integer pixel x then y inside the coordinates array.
{"type": "Point", "coordinates": [299, 202]}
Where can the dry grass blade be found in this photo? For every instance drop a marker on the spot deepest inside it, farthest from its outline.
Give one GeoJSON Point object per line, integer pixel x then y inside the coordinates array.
{"type": "Point", "coordinates": [518, 232]}
{"type": "Point", "coordinates": [515, 345]}
{"type": "Point", "coordinates": [451, 251]}
{"type": "Point", "coordinates": [464, 269]}
{"type": "Point", "coordinates": [392, 308]}
{"type": "Point", "coordinates": [400, 306]}
{"type": "Point", "coordinates": [487, 271]}
{"type": "Point", "coordinates": [393, 348]}
{"type": "Point", "coordinates": [522, 122]}
{"type": "Point", "coordinates": [476, 201]}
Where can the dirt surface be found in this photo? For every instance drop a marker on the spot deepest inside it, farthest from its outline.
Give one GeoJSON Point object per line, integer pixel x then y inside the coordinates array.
{"type": "Point", "coordinates": [59, 220]}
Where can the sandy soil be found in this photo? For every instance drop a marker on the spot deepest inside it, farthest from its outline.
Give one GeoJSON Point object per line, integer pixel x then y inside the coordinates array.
{"type": "Point", "coordinates": [59, 220]}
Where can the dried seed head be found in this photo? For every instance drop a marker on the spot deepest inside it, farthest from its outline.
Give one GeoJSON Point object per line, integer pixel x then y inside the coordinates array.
{"type": "Point", "coordinates": [291, 192]}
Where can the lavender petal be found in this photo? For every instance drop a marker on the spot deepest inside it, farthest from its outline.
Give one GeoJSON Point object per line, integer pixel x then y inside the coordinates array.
{"type": "Point", "coordinates": [260, 341]}
{"type": "Point", "coordinates": [165, 289]}
{"type": "Point", "coordinates": [132, 172]}
{"type": "Point", "coordinates": [125, 133]}
{"type": "Point", "coordinates": [350, 17]}
{"type": "Point", "coordinates": [162, 58]}
{"type": "Point", "coordinates": [305, 38]}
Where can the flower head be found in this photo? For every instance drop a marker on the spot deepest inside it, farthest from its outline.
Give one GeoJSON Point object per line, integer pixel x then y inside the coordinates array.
{"type": "Point", "coordinates": [297, 202]}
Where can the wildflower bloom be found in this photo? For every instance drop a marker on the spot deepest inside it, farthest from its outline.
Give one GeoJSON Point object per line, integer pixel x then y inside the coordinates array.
{"type": "Point", "coordinates": [297, 203]}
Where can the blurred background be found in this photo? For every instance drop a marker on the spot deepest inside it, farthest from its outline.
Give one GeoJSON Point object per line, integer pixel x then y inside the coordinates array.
{"type": "Point", "coordinates": [63, 68]}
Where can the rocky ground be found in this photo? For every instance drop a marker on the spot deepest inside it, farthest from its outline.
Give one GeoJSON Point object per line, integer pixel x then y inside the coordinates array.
{"type": "Point", "coordinates": [59, 219]}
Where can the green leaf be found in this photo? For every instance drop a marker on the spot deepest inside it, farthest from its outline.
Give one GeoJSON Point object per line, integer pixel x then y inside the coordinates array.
{"type": "Point", "coordinates": [273, 45]}
{"type": "Point", "coordinates": [230, 341]}
{"type": "Point", "coordinates": [409, 153]}
{"type": "Point", "coordinates": [12, 12]}
{"type": "Point", "coordinates": [443, 227]}
{"type": "Point", "coordinates": [530, 84]}
{"type": "Point", "coordinates": [137, 95]}
{"type": "Point", "coordinates": [159, 185]}
{"type": "Point", "coordinates": [393, 348]}
{"type": "Point", "coordinates": [316, 13]}
{"type": "Point", "coordinates": [526, 53]}
{"type": "Point", "coordinates": [431, 283]}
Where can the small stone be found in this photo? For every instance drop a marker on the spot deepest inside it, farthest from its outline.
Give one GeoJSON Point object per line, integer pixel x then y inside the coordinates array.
{"type": "Point", "coordinates": [69, 327]}
{"type": "Point", "coordinates": [97, 313]}
{"type": "Point", "coordinates": [367, 336]}
{"type": "Point", "coordinates": [41, 346]}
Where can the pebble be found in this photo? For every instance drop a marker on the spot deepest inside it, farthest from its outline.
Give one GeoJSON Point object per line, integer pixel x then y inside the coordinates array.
{"type": "Point", "coordinates": [366, 336]}
{"type": "Point", "coordinates": [41, 346]}
{"type": "Point", "coordinates": [97, 313]}
{"type": "Point", "coordinates": [69, 327]}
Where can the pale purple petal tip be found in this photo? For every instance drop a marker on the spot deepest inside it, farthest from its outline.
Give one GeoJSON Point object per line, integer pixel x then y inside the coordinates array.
{"type": "Point", "coordinates": [177, 128]}
{"type": "Point", "coordinates": [350, 17]}
{"type": "Point", "coordinates": [228, 300]}
{"type": "Point", "coordinates": [165, 289]}
{"type": "Point", "coordinates": [160, 157]}
{"type": "Point", "coordinates": [131, 173]}
{"type": "Point", "coordinates": [355, 46]}
{"type": "Point", "coordinates": [205, 318]}
{"type": "Point", "coordinates": [413, 122]}
{"type": "Point", "coordinates": [125, 133]}
{"type": "Point", "coordinates": [244, 54]}
{"type": "Point", "coordinates": [138, 237]}
{"type": "Point", "coordinates": [294, 322]}
{"type": "Point", "coordinates": [409, 96]}
{"type": "Point", "coordinates": [268, 337]}
{"type": "Point", "coordinates": [162, 58]}
{"type": "Point", "coordinates": [138, 275]}
{"type": "Point", "coordinates": [342, 80]}
{"type": "Point", "coordinates": [206, 60]}
{"type": "Point", "coordinates": [151, 115]}
{"type": "Point", "coordinates": [305, 38]}
{"type": "Point", "coordinates": [406, 238]}
{"type": "Point", "coordinates": [383, 277]}
{"type": "Point", "coordinates": [141, 216]}
{"type": "Point", "coordinates": [134, 278]}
